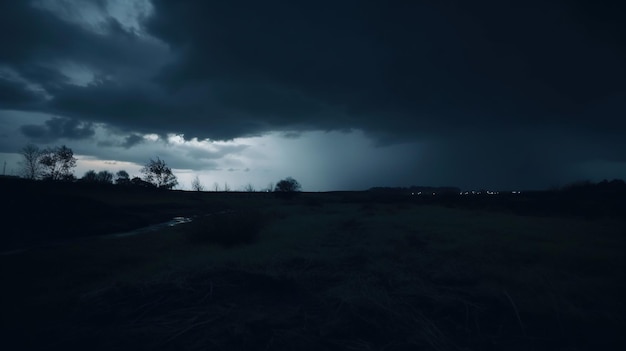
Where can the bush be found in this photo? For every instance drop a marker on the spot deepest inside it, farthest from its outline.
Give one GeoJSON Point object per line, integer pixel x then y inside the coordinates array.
{"type": "Point", "coordinates": [287, 188]}
{"type": "Point", "coordinates": [227, 229]}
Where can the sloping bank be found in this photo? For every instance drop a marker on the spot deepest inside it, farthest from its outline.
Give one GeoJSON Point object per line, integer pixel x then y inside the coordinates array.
{"type": "Point", "coordinates": [38, 212]}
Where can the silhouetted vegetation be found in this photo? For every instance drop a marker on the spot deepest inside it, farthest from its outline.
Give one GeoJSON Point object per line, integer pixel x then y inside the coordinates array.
{"type": "Point", "coordinates": [287, 188]}
{"type": "Point", "coordinates": [159, 174]}
{"type": "Point", "coordinates": [196, 185]}
{"type": "Point", "coordinates": [102, 177]}
{"type": "Point", "coordinates": [58, 163]}
{"type": "Point", "coordinates": [30, 166]}
{"type": "Point", "coordinates": [42, 212]}
{"type": "Point", "coordinates": [123, 178]}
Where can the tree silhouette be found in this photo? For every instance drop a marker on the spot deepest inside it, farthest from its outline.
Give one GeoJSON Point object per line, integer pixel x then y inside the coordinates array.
{"type": "Point", "coordinates": [196, 185]}
{"type": "Point", "coordinates": [287, 187]}
{"type": "Point", "coordinates": [122, 177]}
{"type": "Point", "coordinates": [90, 176]}
{"type": "Point", "coordinates": [104, 177]}
{"type": "Point", "coordinates": [58, 163]}
{"type": "Point", "coordinates": [31, 168]}
{"type": "Point", "coordinates": [159, 174]}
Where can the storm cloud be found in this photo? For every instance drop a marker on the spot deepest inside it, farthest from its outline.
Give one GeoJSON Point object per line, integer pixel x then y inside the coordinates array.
{"type": "Point", "coordinates": [500, 90]}
{"type": "Point", "coordinates": [58, 128]}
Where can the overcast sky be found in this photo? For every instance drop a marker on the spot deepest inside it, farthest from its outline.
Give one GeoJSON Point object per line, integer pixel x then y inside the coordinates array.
{"type": "Point", "coordinates": [337, 94]}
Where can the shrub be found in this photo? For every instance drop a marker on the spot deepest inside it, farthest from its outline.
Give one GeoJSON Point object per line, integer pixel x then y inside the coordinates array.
{"type": "Point", "coordinates": [227, 229]}
{"type": "Point", "coordinates": [287, 188]}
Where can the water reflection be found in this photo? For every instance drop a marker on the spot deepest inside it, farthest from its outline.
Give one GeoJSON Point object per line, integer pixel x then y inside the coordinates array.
{"type": "Point", "coordinates": [173, 222]}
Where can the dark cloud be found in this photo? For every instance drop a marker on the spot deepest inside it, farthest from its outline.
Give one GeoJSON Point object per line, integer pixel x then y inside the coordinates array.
{"type": "Point", "coordinates": [132, 140]}
{"type": "Point", "coordinates": [393, 69]}
{"type": "Point", "coordinates": [488, 84]}
{"type": "Point", "coordinates": [15, 95]}
{"type": "Point", "coordinates": [52, 38]}
{"type": "Point", "coordinates": [398, 68]}
{"type": "Point", "coordinates": [57, 128]}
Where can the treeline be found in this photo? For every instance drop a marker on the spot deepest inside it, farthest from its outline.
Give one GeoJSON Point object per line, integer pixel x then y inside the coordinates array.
{"type": "Point", "coordinates": [58, 163]}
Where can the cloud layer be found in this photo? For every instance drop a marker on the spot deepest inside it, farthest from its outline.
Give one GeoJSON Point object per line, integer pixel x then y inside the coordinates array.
{"type": "Point", "coordinates": [534, 87]}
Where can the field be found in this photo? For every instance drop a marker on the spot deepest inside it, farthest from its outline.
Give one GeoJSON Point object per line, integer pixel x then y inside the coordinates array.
{"type": "Point", "coordinates": [321, 272]}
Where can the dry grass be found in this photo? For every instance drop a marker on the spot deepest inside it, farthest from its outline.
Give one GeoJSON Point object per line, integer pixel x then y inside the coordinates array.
{"type": "Point", "coordinates": [329, 275]}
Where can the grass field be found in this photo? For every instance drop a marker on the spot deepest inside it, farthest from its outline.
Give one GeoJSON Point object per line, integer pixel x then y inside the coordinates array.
{"type": "Point", "coordinates": [318, 273]}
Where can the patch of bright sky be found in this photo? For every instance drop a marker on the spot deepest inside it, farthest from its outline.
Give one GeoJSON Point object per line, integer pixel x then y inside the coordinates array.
{"type": "Point", "coordinates": [10, 164]}
{"type": "Point", "coordinates": [320, 161]}
{"type": "Point", "coordinates": [85, 163]}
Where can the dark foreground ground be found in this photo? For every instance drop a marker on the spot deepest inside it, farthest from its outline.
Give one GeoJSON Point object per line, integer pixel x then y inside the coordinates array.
{"type": "Point", "coordinates": [330, 271]}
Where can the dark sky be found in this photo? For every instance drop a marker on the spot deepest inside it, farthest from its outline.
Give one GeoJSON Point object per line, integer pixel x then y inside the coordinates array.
{"type": "Point", "coordinates": [527, 94]}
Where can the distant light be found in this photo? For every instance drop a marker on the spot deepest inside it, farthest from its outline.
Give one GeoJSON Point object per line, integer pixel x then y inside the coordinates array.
{"type": "Point", "coordinates": [412, 193]}
{"type": "Point", "coordinates": [420, 193]}
{"type": "Point", "coordinates": [433, 193]}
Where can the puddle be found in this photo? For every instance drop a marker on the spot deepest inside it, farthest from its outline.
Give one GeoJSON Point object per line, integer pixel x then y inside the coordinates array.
{"type": "Point", "coordinates": [173, 222]}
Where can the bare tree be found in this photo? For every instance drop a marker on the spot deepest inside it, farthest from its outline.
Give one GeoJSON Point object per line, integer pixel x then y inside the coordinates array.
{"type": "Point", "coordinates": [249, 188]}
{"type": "Point", "coordinates": [158, 173]}
{"type": "Point", "coordinates": [196, 185]}
{"type": "Point", "coordinates": [31, 168]}
{"type": "Point", "coordinates": [216, 187]}
{"type": "Point", "coordinates": [226, 187]}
